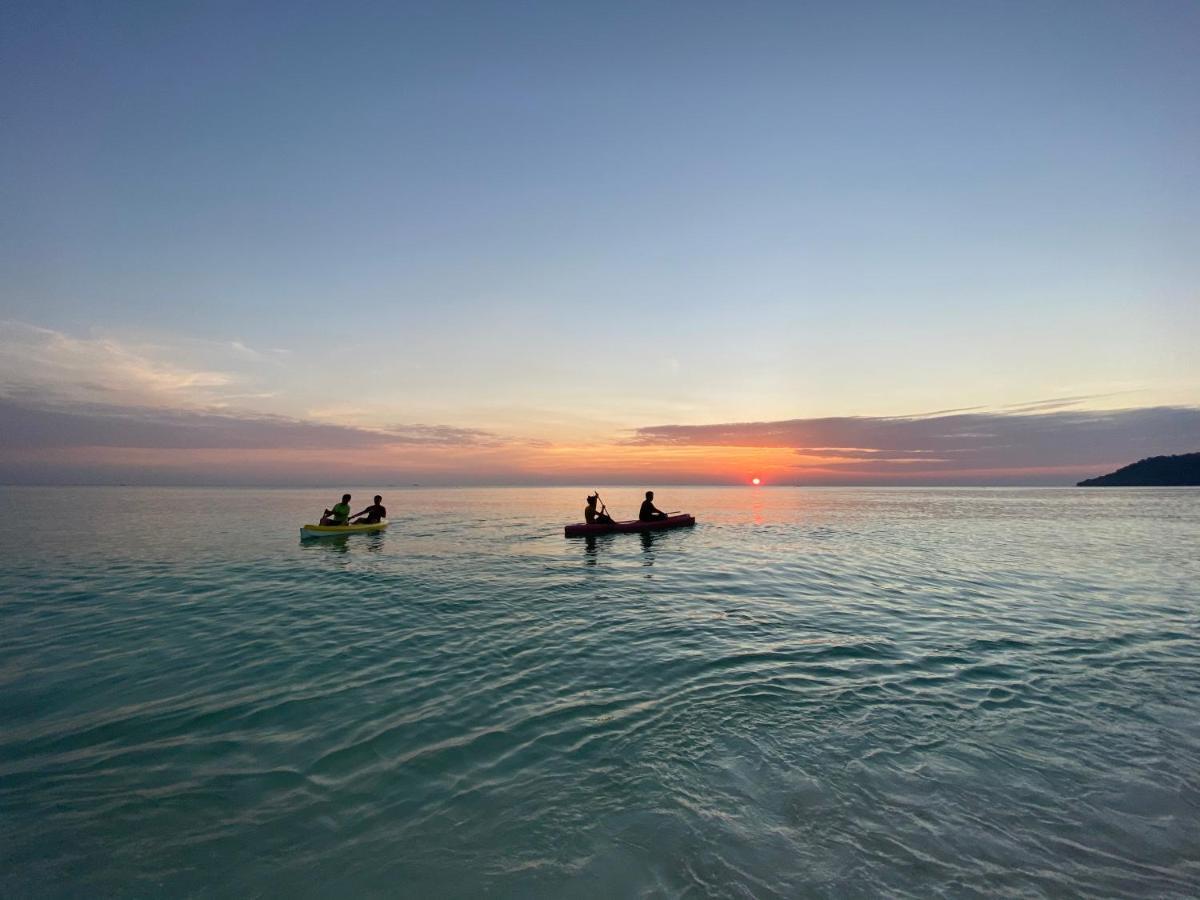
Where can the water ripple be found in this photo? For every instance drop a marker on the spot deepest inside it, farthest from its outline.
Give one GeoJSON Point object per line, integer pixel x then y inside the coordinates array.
{"type": "Point", "coordinates": [816, 693]}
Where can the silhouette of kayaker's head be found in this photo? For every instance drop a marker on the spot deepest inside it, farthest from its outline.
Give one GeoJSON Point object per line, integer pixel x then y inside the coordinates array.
{"type": "Point", "coordinates": [592, 498]}
{"type": "Point", "coordinates": [649, 495]}
{"type": "Point", "coordinates": [345, 498]}
{"type": "Point", "coordinates": [378, 497]}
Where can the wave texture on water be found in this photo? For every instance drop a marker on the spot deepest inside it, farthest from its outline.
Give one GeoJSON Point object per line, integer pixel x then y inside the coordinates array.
{"type": "Point", "coordinates": [812, 693]}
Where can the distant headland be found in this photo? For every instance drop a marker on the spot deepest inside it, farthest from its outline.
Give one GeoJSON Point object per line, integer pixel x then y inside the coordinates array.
{"type": "Point", "coordinates": [1157, 471]}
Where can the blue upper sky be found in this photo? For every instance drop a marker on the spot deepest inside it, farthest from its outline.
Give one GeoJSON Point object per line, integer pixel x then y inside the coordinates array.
{"type": "Point", "coordinates": [732, 211]}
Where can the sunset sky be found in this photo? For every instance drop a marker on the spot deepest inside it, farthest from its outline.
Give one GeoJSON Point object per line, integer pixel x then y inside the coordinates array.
{"type": "Point", "coordinates": [463, 243]}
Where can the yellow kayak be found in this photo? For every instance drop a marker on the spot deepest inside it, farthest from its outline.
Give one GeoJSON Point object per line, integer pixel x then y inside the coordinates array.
{"type": "Point", "coordinates": [313, 531]}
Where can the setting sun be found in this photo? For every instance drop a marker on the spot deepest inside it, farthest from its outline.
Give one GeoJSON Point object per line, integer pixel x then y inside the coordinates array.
{"type": "Point", "coordinates": [756, 481]}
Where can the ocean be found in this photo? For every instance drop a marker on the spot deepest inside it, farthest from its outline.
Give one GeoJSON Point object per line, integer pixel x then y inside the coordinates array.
{"type": "Point", "coordinates": [812, 693]}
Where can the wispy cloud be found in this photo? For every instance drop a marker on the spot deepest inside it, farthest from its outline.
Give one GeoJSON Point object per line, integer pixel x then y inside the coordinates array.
{"type": "Point", "coordinates": [271, 354]}
{"type": "Point", "coordinates": [98, 404]}
{"type": "Point", "coordinates": [1057, 403]}
{"type": "Point", "coordinates": [441, 436]}
{"type": "Point", "coordinates": [28, 426]}
{"type": "Point", "coordinates": [51, 364]}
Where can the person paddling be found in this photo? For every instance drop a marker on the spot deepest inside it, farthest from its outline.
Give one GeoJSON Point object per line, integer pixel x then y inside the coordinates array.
{"type": "Point", "coordinates": [339, 515]}
{"type": "Point", "coordinates": [590, 514]}
{"type": "Point", "coordinates": [649, 512]}
{"type": "Point", "coordinates": [374, 513]}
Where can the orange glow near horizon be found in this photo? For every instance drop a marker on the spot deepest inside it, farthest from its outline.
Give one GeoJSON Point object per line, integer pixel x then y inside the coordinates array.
{"type": "Point", "coordinates": [608, 463]}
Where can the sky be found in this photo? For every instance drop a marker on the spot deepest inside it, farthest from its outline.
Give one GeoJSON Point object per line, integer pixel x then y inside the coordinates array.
{"type": "Point", "coordinates": [494, 243]}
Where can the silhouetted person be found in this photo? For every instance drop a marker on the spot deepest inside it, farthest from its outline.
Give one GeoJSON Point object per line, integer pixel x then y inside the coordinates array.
{"type": "Point", "coordinates": [340, 513]}
{"type": "Point", "coordinates": [593, 517]}
{"type": "Point", "coordinates": [374, 513]}
{"type": "Point", "coordinates": [649, 512]}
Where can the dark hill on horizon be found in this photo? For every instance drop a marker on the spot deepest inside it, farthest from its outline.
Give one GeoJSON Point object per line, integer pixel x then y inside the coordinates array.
{"type": "Point", "coordinates": [1156, 471]}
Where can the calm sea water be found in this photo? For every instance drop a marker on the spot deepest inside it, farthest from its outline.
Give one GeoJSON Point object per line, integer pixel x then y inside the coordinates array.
{"type": "Point", "coordinates": [812, 693]}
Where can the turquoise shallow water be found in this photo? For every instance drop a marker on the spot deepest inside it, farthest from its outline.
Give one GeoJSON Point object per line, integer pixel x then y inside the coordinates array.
{"type": "Point", "coordinates": [812, 693]}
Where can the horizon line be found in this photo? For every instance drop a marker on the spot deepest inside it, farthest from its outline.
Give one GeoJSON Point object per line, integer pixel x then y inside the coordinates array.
{"type": "Point", "coordinates": [580, 486]}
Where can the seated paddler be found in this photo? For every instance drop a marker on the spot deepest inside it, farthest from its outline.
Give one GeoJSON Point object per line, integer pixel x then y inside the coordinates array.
{"type": "Point", "coordinates": [372, 515]}
{"type": "Point", "coordinates": [592, 516]}
{"type": "Point", "coordinates": [339, 515]}
{"type": "Point", "coordinates": [649, 512]}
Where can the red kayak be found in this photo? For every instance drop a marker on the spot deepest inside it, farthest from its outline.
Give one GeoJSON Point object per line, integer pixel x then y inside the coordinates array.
{"type": "Point", "coordinates": [582, 530]}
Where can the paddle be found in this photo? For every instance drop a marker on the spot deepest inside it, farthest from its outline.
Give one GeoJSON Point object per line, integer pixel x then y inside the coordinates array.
{"type": "Point", "coordinates": [603, 508]}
